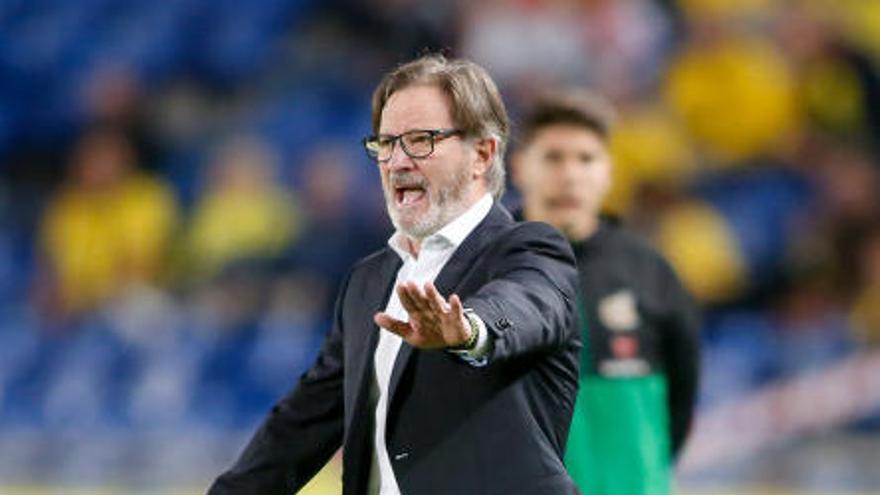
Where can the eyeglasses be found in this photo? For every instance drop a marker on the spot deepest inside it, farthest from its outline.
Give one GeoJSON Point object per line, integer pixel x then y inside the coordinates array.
{"type": "Point", "coordinates": [417, 143]}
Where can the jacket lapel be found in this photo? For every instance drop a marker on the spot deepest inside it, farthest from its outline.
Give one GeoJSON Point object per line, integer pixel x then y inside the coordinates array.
{"type": "Point", "coordinates": [450, 276]}
{"type": "Point", "coordinates": [358, 429]}
{"type": "Point", "coordinates": [373, 302]}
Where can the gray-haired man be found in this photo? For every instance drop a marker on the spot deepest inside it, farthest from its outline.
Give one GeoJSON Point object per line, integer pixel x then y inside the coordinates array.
{"type": "Point", "coordinates": [452, 364]}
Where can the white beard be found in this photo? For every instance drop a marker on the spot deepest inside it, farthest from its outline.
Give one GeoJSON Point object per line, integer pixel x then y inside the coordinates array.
{"type": "Point", "coordinates": [450, 202]}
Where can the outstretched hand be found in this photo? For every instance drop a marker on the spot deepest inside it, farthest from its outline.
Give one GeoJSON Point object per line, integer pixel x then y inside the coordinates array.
{"type": "Point", "coordinates": [434, 322]}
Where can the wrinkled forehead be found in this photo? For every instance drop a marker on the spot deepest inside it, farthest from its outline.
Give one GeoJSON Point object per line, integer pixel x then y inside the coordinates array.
{"type": "Point", "coordinates": [421, 106]}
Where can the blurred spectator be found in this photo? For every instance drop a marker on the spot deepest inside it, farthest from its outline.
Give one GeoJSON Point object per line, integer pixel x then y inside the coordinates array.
{"type": "Point", "coordinates": [866, 309]}
{"type": "Point", "coordinates": [334, 216]}
{"type": "Point", "coordinates": [651, 148]}
{"type": "Point", "coordinates": [734, 93]}
{"type": "Point", "coordinates": [628, 44]}
{"type": "Point", "coordinates": [703, 250]}
{"type": "Point", "coordinates": [838, 83]}
{"type": "Point", "coordinates": [552, 53]}
{"type": "Point", "coordinates": [848, 182]}
{"type": "Point", "coordinates": [107, 227]}
{"type": "Point", "coordinates": [113, 96]}
{"type": "Point", "coordinates": [243, 216]}
{"type": "Point", "coordinates": [616, 47]}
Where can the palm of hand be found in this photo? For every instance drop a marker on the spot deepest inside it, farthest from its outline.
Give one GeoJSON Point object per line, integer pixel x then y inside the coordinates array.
{"type": "Point", "coordinates": [434, 323]}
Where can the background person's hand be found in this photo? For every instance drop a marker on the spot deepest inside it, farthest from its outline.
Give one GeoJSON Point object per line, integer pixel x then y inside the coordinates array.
{"type": "Point", "coordinates": [434, 323]}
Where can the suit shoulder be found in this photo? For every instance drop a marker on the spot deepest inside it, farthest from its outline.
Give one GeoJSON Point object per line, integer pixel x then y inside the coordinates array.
{"type": "Point", "coordinates": [537, 236]}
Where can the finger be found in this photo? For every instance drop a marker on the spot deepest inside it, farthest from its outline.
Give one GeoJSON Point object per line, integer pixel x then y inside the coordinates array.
{"type": "Point", "coordinates": [393, 325]}
{"type": "Point", "coordinates": [463, 331]}
{"type": "Point", "coordinates": [436, 301]}
{"type": "Point", "coordinates": [385, 320]}
{"type": "Point", "coordinates": [424, 302]}
{"type": "Point", "coordinates": [456, 307]}
{"type": "Point", "coordinates": [433, 311]}
{"type": "Point", "coordinates": [406, 298]}
{"type": "Point", "coordinates": [418, 296]}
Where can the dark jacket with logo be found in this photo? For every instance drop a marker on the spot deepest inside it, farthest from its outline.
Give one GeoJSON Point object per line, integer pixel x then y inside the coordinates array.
{"type": "Point", "coordinates": [639, 366]}
{"type": "Point", "coordinates": [614, 264]}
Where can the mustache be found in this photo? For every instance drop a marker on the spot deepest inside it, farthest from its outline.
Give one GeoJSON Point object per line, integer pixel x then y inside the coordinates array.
{"type": "Point", "coordinates": [408, 180]}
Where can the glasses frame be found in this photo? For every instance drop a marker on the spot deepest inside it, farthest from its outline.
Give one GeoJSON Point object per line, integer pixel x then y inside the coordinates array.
{"type": "Point", "coordinates": [435, 135]}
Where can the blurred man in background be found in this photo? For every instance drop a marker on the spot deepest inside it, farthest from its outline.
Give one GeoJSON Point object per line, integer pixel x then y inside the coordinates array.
{"type": "Point", "coordinates": [451, 366]}
{"type": "Point", "coordinates": [106, 229]}
{"type": "Point", "coordinates": [640, 361]}
{"type": "Point", "coordinates": [244, 215]}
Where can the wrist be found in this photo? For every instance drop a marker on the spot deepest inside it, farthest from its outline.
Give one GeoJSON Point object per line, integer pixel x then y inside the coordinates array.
{"type": "Point", "coordinates": [473, 332]}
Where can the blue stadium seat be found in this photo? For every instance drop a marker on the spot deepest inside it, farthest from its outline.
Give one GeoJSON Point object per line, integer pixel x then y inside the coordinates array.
{"type": "Point", "coordinates": [762, 206]}
{"type": "Point", "coordinates": [741, 340]}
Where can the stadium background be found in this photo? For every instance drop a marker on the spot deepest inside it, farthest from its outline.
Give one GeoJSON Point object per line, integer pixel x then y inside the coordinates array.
{"type": "Point", "coordinates": [182, 186]}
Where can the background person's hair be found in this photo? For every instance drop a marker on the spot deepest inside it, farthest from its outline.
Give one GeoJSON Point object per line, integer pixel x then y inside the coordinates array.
{"type": "Point", "coordinates": [476, 105]}
{"type": "Point", "coordinates": [578, 107]}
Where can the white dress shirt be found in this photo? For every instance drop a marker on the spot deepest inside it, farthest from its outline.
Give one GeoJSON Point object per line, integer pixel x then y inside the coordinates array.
{"type": "Point", "coordinates": [435, 251]}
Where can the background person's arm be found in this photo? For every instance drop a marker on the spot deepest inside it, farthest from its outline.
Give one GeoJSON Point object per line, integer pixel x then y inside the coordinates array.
{"type": "Point", "coordinates": [681, 351]}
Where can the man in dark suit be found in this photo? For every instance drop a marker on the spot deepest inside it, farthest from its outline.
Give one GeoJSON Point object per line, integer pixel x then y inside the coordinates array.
{"type": "Point", "coordinates": [452, 364]}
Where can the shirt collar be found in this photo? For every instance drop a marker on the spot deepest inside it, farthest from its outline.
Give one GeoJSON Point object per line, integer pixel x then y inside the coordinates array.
{"type": "Point", "coordinates": [452, 234]}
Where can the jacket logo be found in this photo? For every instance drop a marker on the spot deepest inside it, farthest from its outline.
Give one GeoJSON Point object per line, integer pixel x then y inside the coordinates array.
{"type": "Point", "coordinates": [624, 346]}
{"type": "Point", "coordinates": [618, 311]}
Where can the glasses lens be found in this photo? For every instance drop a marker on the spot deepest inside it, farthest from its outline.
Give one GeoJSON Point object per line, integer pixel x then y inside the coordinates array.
{"type": "Point", "coordinates": [371, 144]}
{"type": "Point", "coordinates": [379, 147]}
{"type": "Point", "coordinates": [418, 144]}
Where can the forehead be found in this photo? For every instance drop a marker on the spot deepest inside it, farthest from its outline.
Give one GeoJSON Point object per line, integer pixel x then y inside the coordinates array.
{"type": "Point", "coordinates": [416, 107]}
{"type": "Point", "coordinates": [567, 137]}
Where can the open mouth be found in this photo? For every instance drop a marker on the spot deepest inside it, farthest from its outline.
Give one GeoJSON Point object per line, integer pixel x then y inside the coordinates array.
{"type": "Point", "coordinates": [408, 195]}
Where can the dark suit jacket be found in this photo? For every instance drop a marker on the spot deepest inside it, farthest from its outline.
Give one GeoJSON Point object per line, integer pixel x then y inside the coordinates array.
{"type": "Point", "coordinates": [452, 428]}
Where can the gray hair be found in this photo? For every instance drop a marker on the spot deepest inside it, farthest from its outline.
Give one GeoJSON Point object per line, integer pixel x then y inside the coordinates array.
{"type": "Point", "coordinates": [477, 108]}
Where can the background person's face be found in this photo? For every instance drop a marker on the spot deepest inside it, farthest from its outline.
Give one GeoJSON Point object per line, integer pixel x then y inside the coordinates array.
{"type": "Point", "coordinates": [564, 174]}
{"type": "Point", "coordinates": [422, 195]}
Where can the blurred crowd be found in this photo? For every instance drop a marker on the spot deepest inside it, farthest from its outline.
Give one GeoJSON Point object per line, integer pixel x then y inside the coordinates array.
{"type": "Point", "coordinates": [182, 185]}
{"type": "Point", "coordinates": [746, 148]}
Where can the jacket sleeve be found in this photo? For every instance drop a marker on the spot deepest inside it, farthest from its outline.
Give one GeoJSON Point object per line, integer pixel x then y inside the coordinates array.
{"type": "Point", "coordinates": [528, 305]}
{"type": "Point", "coordinates": [682, 359]}
{"type": "Point", "coordinates": [300, 434]}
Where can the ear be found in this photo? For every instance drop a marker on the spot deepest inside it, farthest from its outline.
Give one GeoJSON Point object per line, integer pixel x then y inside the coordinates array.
{"type": "Point", "coordinates": [486, 150]}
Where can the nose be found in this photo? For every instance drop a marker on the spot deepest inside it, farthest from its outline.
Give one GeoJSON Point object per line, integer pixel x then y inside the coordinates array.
{"type": "Point", "coordinates": [571, 170]}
